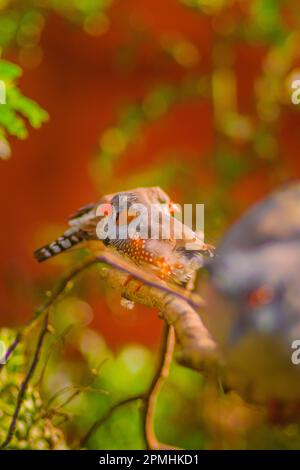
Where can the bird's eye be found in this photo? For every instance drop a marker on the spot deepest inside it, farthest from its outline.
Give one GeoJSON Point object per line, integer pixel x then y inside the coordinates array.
{"type": "Point", "coordinates": [173, 209]}
{"type": "Point", "coordinates": [263, 295]}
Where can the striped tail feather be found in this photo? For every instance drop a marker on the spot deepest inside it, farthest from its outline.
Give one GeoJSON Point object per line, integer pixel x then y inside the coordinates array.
{"type": "Point", "coordinates": [61, 244]}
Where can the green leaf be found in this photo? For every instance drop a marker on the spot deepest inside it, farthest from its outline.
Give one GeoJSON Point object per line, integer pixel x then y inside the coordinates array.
{"type": "Point", "coordinates": [29, 108]}
{"type": "Point", "coordinates": [9, 71]}
{"type": "Point", "coordinates": [12, 123]}
{"type": "Point", "coordinates": [16, 108]}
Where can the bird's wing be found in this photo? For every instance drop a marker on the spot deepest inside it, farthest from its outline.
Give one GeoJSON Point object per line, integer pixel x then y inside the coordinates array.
{"type": "Point", "coordinates": [148, 196]}
{"type": "Point", "coordinates": [152, 195]}
{"type": "Point", "coordinates": [87, 219]}
{"type": "Point", "coordinates": [88, 213]}
{"type": "Point", "coordinates": [81, 214]}
{"type": "Point", "coordinates": [182, 235]}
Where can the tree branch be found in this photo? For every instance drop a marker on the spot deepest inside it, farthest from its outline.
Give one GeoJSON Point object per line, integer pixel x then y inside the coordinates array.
{"type": "Point", "coordinates": [114, 262]}
{"type": "Point", "coordinates": [25, 383]}
{"type": "Point", "coordinates": [150, 399]}
{"type": "Point", "coordinates": [43, 309]}
{"type": "Point", "coordinates": [177, 307]}
{"type": "Point", "coordinates": [196, 348]}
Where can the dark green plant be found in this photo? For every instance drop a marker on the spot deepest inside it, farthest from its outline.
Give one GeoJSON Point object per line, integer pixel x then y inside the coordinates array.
{"type": "Point", "coordinates": [33, 429]}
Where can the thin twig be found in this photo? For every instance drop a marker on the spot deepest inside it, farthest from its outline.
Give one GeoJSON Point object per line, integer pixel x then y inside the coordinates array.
{"type": "Point", "coordinates": [96, 425]}
{"type": "Point", "coordinates": [10, 350]}
{"type": "Point", "coordinates": [74, 389]}
{"type": "Point", "coordinates": [150, 399]}
{"type": "Point", "coordinates": [25, 383]}
{"type": "Point", "coordinates": [51, 350]}
{"type": "Point", "coordinates": [43, 309]}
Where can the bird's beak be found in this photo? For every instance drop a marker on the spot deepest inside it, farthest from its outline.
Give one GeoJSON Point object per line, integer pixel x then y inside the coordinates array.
{"type": "Point", "coordinates": [173, 208]}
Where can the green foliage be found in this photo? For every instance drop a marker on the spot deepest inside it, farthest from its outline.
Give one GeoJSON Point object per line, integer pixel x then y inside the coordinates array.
{"type": "Point", "coordinates": [267, 21]}
{"type": "Point", "coordinates": [16, 109]}
{"type": "Point", "coordinates": [21, 25]}
{"type": "Point", "coordinates": [86, 389]}
{"type": "Point", "coordinates": [33, 429]}
{"type": "Point", "coordinates": [131, 121]}
{"type": "Point", "coordinates": [22, 22]}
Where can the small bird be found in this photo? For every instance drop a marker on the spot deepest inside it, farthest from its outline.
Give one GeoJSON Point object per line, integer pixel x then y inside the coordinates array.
{"type": "Point", "coordinates": [165, 254]}
{"type": "Point", "coordinates": [166, 258]}
{"type": "Point", "coordinates": [253, 300]}
{"type": "Point", "coordinates": [83, 223]}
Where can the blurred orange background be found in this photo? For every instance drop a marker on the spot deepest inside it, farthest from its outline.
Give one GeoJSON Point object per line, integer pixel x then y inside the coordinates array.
{"type": "Point", "coordinates": [82, 82]}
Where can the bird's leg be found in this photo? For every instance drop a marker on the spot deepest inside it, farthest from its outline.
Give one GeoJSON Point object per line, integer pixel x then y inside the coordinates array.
{"type": "Point", "coordinates": [128, 304]}
{"type": "Point", "coordinates": [131, 278]}
{"type": "Point", "coordinates": [128, 279]}
{"type": "Point", "coordinates": [138, 287]}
